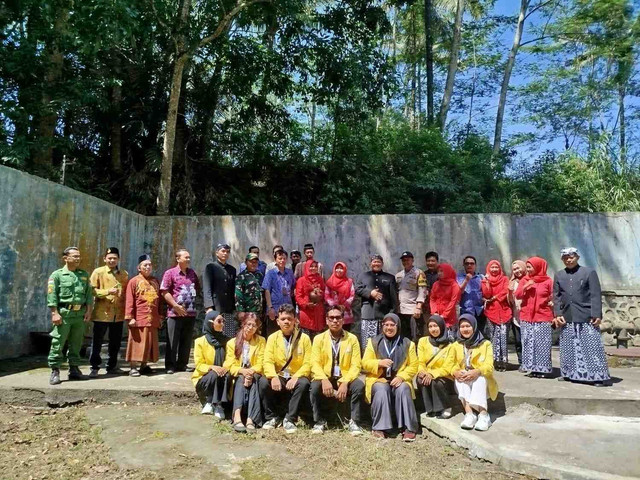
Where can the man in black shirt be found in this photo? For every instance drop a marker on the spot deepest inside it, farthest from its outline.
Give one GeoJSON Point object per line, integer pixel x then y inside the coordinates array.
{"type": "Point", "coordinates": [577, 303]}
{"type": "Point", "coordinates": [218, 288]}
{"type": "Point", "coordinates": [379, 297]}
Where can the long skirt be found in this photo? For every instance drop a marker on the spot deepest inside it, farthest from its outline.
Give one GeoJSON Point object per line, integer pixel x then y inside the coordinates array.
{"type": "Point", "coordinates": [142, 346]}
{"type": "Point", "coordinates": [369, 329]}
{"type": "Point", "coordinates": [582, 356]}
{"type": "Point", "coordinates": [499, 335]}
{"type": "Point", "coordinates": [386, 400]}
{"type": "Point", "coordinates": [536, 346]}
{"type": "Point", "coordinates": [230, 325]}
{"type": "Point", "coordinates": [474, 393]}
{"type": "Point", "coordinates": [214, 389]}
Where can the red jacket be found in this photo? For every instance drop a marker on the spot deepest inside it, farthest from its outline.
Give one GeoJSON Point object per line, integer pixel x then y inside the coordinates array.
{"type": "Point", "coordinates": [497, 311]}
{"type": "Point", "coordinates": [535, 300]}
{"type": "Point", "coordinates": [444, 295]}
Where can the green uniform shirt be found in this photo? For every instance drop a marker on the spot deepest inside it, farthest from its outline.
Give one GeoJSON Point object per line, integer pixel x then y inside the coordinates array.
{"type": "Point", "coordinates": [66, 286]}
{"type": "Point", "coordinates": [249, 291]}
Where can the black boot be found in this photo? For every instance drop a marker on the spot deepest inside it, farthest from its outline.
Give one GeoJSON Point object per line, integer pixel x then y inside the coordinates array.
{"type": "Point", "coordinates": [75, 373]}
{"type": "Point", "coordinates": [55, 377]}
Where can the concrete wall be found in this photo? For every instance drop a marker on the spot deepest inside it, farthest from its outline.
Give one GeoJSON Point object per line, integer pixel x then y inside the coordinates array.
{"type": "Point", "coordinates": [40, 218]}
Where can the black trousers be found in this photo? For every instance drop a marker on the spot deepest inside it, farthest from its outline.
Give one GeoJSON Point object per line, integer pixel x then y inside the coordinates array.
{"type": "Point", "coordinates": [179, 339]}
{"type": "Point", "coordinates": [248, 399]}
{"type": "Point", "coordinates": [517, 338]}
{"type": "Point", "coordinates": [436, 395]}
{"type": "Point", "coordinates": [411, 327]}
{"type": "Point", "coordinates": [213, 389]}
{"type": "Point", "coordinates": [271, 399]}
{"type": "Point", "coordinates": [115, 340]}
{"type": "Point", "coordinates": [318, 400]}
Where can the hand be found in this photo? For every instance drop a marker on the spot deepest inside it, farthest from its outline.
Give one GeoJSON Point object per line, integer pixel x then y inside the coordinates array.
{"type": "Point", "coordinates": [272, 313]}
{"type": "Point", "coordinates": [342, 392]}
{"type": "Point", "coordinates": [560, 321]}
{"type": "Point", "coordinates": [469, 276]}
{"type": "Point", "coordinates": [179, 310]}
{"type": "Point", "coordinates": [248, 381]}
{"type": "Point", "coordinates": [417, 312]}
{"type": "Point", "coordinates": [550, 303]}
{"type": "Point", "coordinates": [132, 322]}
{"type": "Point", "coordinates": [249, 373]}
{"type": "Point", "coordinates": [376, 294]}
{"type": "Point", "coordinates": [220, 371]}
{"type": "Point", "coordinates": [459, 375]}
{"type": "Point", "coordinates": [87, 317]}
{"type": "Point", "coordinates": [291, 384]}
{"type": "Point", "coordinates": [596, 321]}
{"type": "Point", "coordinates": [512, 285]}
{"type": "Point", "coordinates": [113, 291]}
{"type": "Point", "coordinates": [426, 379]}
{"type": "Point", "coordinates": [327, 388]}
{"type": "Point", "coordinates": [386, 363]}
{"type": "Point", "coordinates": [56, 318]}
{"type": "Point", "coordinates": [276, 386]}
{"type": "Point", "coordinates": [396, 382]}
{"type": "Point", "coordinates": [472, 375]}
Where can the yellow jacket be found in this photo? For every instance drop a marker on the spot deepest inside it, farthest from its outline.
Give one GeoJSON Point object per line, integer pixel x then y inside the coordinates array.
{"type": "Point", "coordinates": [204, 355]}
{"type": "Point", "coordinates": [481, 359]}
{"type": "Point", "coordinates": [275, 356]}
{"type": "Point", "coordinates": [256, 355]}
{"type": "Point", "coordinates": [406, 372]}
{"type": "Point", "coordinates": [322, 357]}
{"type": "Point", "coordinates": [441, 365]}
{"type": "Point", "coordinates": [108, 307]}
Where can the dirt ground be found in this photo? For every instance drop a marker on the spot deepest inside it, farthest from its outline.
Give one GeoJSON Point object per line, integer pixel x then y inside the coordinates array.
{"type": "Point", "coordinates": [152, 442]}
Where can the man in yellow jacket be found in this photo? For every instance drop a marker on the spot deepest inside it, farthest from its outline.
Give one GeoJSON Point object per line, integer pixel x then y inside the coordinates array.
{"type": "Point", "coordinates": [286, 368]}
{"type": "Point", "coordinates": [335, 367]}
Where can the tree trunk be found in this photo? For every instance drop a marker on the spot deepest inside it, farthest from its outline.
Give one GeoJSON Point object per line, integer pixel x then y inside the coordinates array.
{"type": "Point", "coordinates": [312, 146]}
{"type": "Point", "coordinates": [453, 65]}
{"type": "Point", "coordinates": [164, 191]}
{"type": "Point", "coordinates": [623, 129]}
{"type": "Point", "coordinates": [497, 138]}
{"type": "Point", "coordinates": [116, 130]}
{"type": "Point", "coordinates": [46, 127]}
{"type": "Point", "coordinates": [419, 96]}
{"type": "Point", "coordinates": [428, 30]}
{"type": "Point", "coordinates": [412, 108]}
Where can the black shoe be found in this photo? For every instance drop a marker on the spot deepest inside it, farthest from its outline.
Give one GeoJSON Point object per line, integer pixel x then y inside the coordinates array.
{"type": "Point", "coordinates": [55, 377]}
{"type": "Point", "coordinates": [115, 371]}
{"type": "Point", "coordinates": [189, 369]}
{"type": "Point", "coordinates": [75, 373]}
{"type": "Point", "coordinates": [605, 383]}
{"type": "Point", "coordinates": [146, 370]}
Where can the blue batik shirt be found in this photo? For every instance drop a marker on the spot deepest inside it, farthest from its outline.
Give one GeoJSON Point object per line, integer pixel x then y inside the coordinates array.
{"type": "Point", "coordinates": [471, 299]}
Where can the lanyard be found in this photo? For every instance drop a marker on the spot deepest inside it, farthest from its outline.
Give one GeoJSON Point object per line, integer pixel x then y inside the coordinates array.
{"type": "Point", "coordinates": [335, 346]}
{"type": "Point", "coordinates": [393, 349]}
{"type": "Point", "coordinates": [287, 344]}
{"type": "Point", "coordinates": [467, 358]}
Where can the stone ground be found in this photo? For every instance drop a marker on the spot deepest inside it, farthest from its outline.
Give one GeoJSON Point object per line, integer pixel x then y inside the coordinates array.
{"type": "Point", "coordinates": [150, 428]}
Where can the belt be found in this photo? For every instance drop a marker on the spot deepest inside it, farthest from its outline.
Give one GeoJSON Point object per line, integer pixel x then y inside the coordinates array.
{"type": "Point", "coordinates": [71, 306]}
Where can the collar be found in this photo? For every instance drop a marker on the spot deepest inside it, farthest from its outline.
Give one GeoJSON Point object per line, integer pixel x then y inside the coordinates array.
{"type": "Point", "coordinates": [568, 270]}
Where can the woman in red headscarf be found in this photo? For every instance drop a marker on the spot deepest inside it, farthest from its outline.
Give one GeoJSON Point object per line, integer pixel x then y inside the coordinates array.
{"type": "Point", "coordinates": [310, 299]}
{"type": "Point", "coordinates": [536, 314]}
{"type": "Point", "coordinates": [495, 291]}
{"type": "Point", "coordinates": [445, 294]}
{"type": "Point", "coordinates": [339, 291]}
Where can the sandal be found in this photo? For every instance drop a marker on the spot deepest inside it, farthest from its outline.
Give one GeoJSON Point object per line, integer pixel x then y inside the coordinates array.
{"type": "Point", "coordinates": [250, 428]}
{"type": "Point", "coordinates": [134, 372]}
{"type": "Point", "coordinates": [239, 427]}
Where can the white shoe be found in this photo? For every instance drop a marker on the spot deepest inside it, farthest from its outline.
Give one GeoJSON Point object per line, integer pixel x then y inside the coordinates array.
{"type": "Point", "coordinates": [484, 422]}
{"type": "Point", "coordinates": [207, 409]}
{"type": "Point", "coordinates": [469, 421]}
{"type": "Point", "coordinates": [289, 427]}
{"type": "Point", "coordinates": [271, 424]}
{"type": "Point", "coordinates": [354, 429]}
{"type": "Point", "coordinates": [446, 413]}
{"type": "Point", "coordinates": [318, 428]}
{"type": "Point", "coordinates": [219, 412]}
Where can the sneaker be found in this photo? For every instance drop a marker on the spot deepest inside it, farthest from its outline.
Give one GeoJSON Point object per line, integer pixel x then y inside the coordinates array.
{"type": "Point", "coordinates": [207, 409]}
{"type": "Point", "coordinates": [94, 373]}
{"type": "Point", "coordinates": [445, 414]}
{"type": "Point", "coordinates": [408, 436]}
{"type": "Point", "coordinates": [484, 422]}
{"type": "Point", "coordinates": [354, 429]}
{"type": "Point", "coordinates": [271, 424]}
{"type": "Point", "coordinates": [469, 421]}
{"type": "Point", "coordinates": [170, 371]}
{"type": "Point", "coordinates": [75, 373]}
{"type": "Point", "coordinates": [116, 371]}
{"type": "Point", "coordinates": [219, 412]}
{"type": "Point", "coordinates": [378, 434]}
{"type": "Point", "coordinates": [55, 377]}
{"type": "Point", "coordinates": [318, 428]}
{"type": "Point", "coordinates": [134, 372]}
{"type": "Point", "coordinates": [289, 427]}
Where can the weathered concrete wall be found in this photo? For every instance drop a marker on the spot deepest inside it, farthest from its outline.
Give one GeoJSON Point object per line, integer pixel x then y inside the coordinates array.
{"type": "Point", "coordinates": [40, 218]}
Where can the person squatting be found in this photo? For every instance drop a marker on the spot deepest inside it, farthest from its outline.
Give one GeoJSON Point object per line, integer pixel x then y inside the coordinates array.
{"type": "Point", "coordinates": [276, 335]}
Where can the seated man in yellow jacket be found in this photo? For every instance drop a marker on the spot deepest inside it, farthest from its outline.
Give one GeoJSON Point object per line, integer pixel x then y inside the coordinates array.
{"type": "Point", "coordinates": [286, 368]}
{"type": "Point", "coordinates": [335, 367]}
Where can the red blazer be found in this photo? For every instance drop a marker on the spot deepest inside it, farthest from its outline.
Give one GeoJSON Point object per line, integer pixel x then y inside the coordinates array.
{"type": "Point", "coordinates": [499, 310]}
{"type": "Point", "coordinates": [535, 300]}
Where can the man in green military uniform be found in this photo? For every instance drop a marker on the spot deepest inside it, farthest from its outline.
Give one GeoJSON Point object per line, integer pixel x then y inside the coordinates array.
{"type": "Point", "coordinates": [249, 287]}
{"type": "Point", "coordinates": [70, 299]}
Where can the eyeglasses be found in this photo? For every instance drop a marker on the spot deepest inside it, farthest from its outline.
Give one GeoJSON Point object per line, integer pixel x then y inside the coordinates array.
{"type": "Point", "coordinates": [469, 263]}
{"type": "Point", "coordinates": [334, 317]}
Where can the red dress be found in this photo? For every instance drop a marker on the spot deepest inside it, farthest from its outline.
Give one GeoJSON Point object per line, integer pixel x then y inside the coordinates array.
{"type": "Point", "coordinates": [311, 316]}
{"type": "Point", "coordinates": [497, 311]}
{"type": "Point", "coordinates": [142, 305]}
{"type": "Point", "coordinates": [445, 294]}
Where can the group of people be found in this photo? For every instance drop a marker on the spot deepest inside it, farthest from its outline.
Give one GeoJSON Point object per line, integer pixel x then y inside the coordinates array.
{"type": "Point", "coordinates": [432, 329]}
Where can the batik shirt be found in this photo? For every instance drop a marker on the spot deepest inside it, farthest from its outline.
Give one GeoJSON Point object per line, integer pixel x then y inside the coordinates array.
{"type": "Point", "coordinates": [183, 287]}
{"type": "Point", "coordinates": [249, 291]}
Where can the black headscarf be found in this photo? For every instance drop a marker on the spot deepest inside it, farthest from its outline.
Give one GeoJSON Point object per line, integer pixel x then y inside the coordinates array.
{"type": "Point", "coordinates": [445, 336]}
{"type": "Point", "coordinates": [399, 355]}
{"type": "Point", "coordinates": [216, 339]}
{"type": "Point", "coordinates": [476, 337]}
